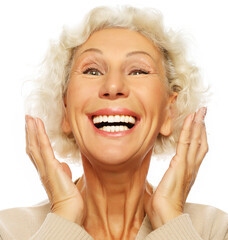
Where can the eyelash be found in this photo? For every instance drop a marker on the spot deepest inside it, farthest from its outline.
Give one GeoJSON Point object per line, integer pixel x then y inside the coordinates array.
{"type": "Point", "coordinates": [140, 71]}
{"type": "Point", "coordinates": [92, 69]}
{"type": "Point", "coordinates": [95, 70]}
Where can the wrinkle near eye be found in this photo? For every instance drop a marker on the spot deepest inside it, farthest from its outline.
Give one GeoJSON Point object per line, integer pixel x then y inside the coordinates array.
{"type": "Point", "coordinates": [90, 61]}
{"type": "Point", "coordinates": [138, 63]}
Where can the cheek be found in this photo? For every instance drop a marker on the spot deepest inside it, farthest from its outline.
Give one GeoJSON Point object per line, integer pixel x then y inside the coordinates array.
{"type": "Point", "coordinates": [152, 94]}
{"type": "Point", "coordinates": [78, 94]}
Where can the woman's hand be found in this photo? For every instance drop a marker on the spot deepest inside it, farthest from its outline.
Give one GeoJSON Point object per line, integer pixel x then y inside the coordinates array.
{"type": "Point", "coordinates": [167, 202]}
{"type": "Point", "coordinates": [66, 200]}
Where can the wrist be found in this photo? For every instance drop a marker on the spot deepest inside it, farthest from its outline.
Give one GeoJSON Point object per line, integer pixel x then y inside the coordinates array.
{"type": "Point", "coordinates": [70, 216]}
{"type": "Point", "coordinates": [158, 219]}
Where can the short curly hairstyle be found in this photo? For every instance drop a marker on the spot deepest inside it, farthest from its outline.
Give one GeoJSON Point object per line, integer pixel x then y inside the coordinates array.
{"type": "Point", "coordinates": [46, 99]}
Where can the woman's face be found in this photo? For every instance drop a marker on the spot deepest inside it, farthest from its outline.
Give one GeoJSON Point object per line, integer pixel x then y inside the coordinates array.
{"type": "Point", "coordinates": [116, 99]}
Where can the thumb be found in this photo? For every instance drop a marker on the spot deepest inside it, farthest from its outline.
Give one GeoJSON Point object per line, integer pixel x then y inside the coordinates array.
{"type": "Point", "coordinates": [147, 197]}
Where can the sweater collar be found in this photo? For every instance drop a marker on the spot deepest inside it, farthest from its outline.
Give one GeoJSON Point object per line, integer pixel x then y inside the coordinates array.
{"type": "Point", "coordinates": [145, 229]}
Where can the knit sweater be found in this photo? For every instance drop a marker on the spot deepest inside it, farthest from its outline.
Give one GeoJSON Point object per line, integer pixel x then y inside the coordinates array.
{"type": "Point", "coordinates": [199, 222]}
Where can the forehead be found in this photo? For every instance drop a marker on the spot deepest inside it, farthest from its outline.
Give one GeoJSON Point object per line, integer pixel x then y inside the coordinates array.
{"type": "Point", "coordinates": [120, 41]}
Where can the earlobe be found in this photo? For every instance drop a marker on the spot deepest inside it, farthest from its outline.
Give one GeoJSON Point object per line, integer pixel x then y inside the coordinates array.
{"type": "Point", "coordinates": [167, 126]}
{"type": "Point", "coordinates": [66, 126]}
{"type": "Point", "coordinates": [65, 121]}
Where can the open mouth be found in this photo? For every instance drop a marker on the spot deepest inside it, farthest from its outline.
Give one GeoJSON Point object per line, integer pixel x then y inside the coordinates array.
{"type": "Point", "coordinates": [114, 123]}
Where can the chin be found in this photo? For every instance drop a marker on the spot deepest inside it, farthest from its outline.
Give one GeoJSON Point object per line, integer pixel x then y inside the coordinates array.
{"type": "Point", "coordinates": [114, 160]}
{"type": "Point", "coordinates": [111, 157]}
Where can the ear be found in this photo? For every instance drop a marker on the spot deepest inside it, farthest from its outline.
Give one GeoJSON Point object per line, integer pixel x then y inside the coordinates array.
{"type": "Point", "coordinates": [65, 121]}
{"type": "Point", "coordinates": [167, 126]}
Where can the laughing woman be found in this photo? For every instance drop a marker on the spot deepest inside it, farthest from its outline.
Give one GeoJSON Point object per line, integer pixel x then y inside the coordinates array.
{"type": "Point", "coordinates": [114, 91]}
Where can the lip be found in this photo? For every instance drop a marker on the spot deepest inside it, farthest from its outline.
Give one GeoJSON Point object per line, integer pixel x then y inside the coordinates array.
{"type": "Point", "coordinates": [114, 111]}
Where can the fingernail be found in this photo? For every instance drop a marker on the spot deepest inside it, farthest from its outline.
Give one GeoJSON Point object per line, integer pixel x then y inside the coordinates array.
{"type": "Point", "coordinates": [29, 122]}
{"type": "Point", "coordinates": [200, 115]}
{"type": "Point", "coordinates": [27, 118]}
{"type": "Point", "coordinates": [203, 112]}
{"type": "Point", "coordinates": [37, 121]}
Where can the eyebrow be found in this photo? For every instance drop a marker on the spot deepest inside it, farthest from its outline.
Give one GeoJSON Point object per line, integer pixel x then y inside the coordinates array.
{"type": "Point", "coordinates": [92, 49]}
{"type": "Point", "coordinates": [139, 52]}
{"type": "Point", "coordinates": [128, 55]}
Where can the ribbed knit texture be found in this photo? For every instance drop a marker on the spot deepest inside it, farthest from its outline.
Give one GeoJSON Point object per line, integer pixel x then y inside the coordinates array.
{"type": "Point", "coordinates": [145, 229]}
{"type": "Point", "coordinates": [179, 228]}
{"type": "Point", "coordinates": [199, 222]}
{"type": "Point", "coordinates": [58, 228]}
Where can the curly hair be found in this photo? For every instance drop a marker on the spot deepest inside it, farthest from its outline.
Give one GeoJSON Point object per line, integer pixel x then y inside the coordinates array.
{"type": "Point", "coordinates": [46, 99]}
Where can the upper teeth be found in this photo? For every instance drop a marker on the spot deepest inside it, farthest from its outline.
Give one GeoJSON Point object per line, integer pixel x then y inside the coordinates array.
{"type": "Point", "coordinates": [115, 118]}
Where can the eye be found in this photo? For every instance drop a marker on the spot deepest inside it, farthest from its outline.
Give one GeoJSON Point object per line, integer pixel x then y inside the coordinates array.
{"type": "Point", "coordinates": [138, 71]}
{"type": "Point", "coordinates": [92, 71]}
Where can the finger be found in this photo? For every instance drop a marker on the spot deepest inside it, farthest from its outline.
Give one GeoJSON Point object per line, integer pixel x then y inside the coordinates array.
{"type": "Point", "coordinates": [66, 169]}
{"type": "Point", "coordinates": [45, 145]}
{"type": "Point", "coordinates": [188, 189]}
{"type": "Point", "coordinates": [184, 139]}
{"type": "Point", "coordinates": [195, 146]}
{"type": "Point", "coordinates": [203, 148]}
{"type": "Point", "coordinates": [27, 147]}
{"type": "Point", "coordinates": [178, 162]}
{"type": "Point", "coordinates": [33, 145]}
{"type": "Point", "coordinates": [196, 137]}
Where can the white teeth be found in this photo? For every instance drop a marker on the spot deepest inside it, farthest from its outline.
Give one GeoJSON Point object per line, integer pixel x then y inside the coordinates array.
{"type": "Point", "coordinates": [117, 128]}
{"type": "Point", "coordinates": [121, 128]}
{"type": "Point", "coordinates": [106, 128]}
{"type": "Point", "coordinates": [116, 118]}
{"type": "Point", "coordinates": [131, 120]}
{"type": "Point", "coordinates": [110, 119]}
{"type": "Point", "coordinates": [100, 118]}
{"type": "Point", "coordinates": [126, 119]}
{"type": "Point", "coordinates": [105, 118]}
{"type": "Point", "coordinates": [114, 128]}
{"type": "Point", "coordinates": [122, 118]}
{"type": "Point", "coordinates": [95, 120]}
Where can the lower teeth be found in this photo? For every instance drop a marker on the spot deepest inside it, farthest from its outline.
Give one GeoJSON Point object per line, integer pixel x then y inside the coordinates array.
{"type": "Point", "coordinates": [114, 128]}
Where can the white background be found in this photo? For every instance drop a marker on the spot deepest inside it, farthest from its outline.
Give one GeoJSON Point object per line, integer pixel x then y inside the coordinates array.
{"type": "Point", "coordinates": [25, 30]}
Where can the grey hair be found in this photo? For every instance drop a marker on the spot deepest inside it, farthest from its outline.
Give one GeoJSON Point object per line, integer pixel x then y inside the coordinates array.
{"type": "Point", "coordinates": [46, 99]}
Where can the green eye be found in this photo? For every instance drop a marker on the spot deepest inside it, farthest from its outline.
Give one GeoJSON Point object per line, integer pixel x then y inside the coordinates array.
{"type": "Point", "coordinates": [138, 72]}
{"type": "Point", "coordinates": [92, 71]}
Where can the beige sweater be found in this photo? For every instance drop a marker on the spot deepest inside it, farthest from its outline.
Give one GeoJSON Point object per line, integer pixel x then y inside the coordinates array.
{"type": "Point", "coordinates": [32, 223]}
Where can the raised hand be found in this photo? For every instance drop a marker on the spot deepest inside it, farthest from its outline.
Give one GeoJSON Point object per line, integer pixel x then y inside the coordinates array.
{"type": "Point", "coordinates": [167, 202]}
{"type": "Point", "coordinates": [66, 200]}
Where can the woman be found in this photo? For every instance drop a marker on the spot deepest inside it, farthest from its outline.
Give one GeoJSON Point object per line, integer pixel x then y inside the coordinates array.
{"type": "Point", "coordinates": [116, 90]}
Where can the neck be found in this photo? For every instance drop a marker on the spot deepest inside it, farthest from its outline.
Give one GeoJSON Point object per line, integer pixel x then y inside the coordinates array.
{"type": "Point", "coordinates": [114, 199]}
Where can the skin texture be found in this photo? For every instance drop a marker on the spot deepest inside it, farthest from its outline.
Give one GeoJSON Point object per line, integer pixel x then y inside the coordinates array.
{"type": "Point", "coordinates": [113, 195]}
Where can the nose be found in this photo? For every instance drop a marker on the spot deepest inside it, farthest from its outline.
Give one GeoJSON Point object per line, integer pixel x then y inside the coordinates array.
{"type": "Point", "coordinates": [114, 86]}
